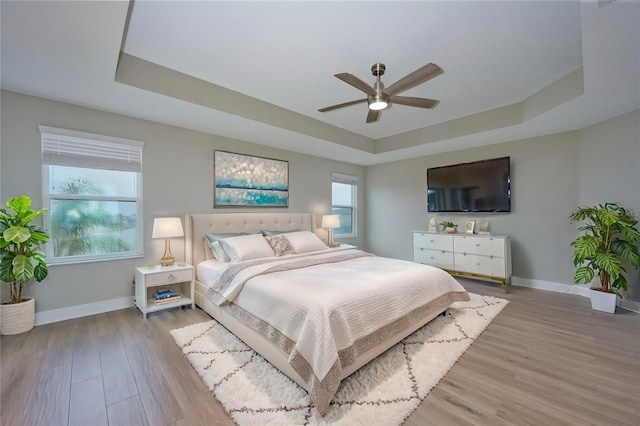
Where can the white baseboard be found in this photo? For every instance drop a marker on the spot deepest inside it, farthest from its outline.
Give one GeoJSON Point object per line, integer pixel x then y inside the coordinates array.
{"type": "Point", "coordinates": [631, 305]}
{"type": "Point", "coordinates": [78, 311]}
{"type": "Point", "coordinates": [579, 289]}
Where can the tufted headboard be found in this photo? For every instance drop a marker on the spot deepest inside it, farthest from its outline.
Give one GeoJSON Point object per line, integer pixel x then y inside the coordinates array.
{"type": "Point", "coordinates": [196, 225]}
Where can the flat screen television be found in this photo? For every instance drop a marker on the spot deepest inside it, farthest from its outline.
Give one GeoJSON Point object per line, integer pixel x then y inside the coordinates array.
{"type": "Point", "coordinates": [480, 186]}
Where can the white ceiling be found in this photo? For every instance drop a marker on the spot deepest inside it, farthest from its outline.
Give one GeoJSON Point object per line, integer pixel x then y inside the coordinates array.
{"type": "Point", "coordinates": [259, 71]}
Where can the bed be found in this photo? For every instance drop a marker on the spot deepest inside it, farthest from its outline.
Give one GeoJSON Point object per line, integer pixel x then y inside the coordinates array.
{"type": "Point", "coordinates": [316, 314]}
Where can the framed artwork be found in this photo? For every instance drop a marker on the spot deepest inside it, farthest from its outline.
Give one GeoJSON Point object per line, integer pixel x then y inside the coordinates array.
{"type": "Point", "coordinates": [249, 181]}
{"type": "Point", "coordinates": [483, 227]}
{"type": "Point", "coordinates": [469, 226]}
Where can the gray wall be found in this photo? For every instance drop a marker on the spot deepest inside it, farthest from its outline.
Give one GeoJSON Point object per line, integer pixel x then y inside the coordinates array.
{"type": "Point", "coordinates": [177, 176]}
{"type": "Point", "coordinates": [544, 174]}
{"type": "Point", "coordinates": [551, 176]}
{"type": "Point", "coordinates": [610, 170]}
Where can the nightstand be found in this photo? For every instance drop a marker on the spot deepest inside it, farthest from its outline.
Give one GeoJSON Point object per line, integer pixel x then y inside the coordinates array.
{"type": "Point", "coordinates": [149, 278]}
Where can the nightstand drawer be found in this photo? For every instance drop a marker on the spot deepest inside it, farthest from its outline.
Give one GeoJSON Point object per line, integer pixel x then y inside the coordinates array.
{"type": "Point", "coordinates": [169, 277]}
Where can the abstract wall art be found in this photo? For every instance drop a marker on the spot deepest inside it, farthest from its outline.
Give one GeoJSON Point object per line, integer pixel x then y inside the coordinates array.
{"type": "Point", "coordinates": [249, 181]}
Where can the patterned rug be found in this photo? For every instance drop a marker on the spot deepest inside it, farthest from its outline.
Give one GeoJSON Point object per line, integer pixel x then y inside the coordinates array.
{"type": "Point", "coordinates": [384, 392]}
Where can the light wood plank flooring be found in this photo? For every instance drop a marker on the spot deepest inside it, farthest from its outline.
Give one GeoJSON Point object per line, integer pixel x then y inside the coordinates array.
{"type": "Point", "coordinates": [548, 359]}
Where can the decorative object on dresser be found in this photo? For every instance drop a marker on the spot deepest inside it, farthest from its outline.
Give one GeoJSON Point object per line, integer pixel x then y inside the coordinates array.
{"type": "Point", "coordinates": [249, 181]}
{"type": "Point", "coordinates": [469, 226]}
{"type": "Point", "coordinates": [383, 392]}
{"type": "Point", "coordinates": [330, 222]}
{"type": "Point", "coordinates": [609, 239]}
{"type": "Point", "coordinates": [478, 256]}
{"type": "Point", "coordinates": [483, 227]}
{"type": "Point", "coordinates": [157, 287]}
{"type": "Point", "coordinates": [449, 226]}
{"type": "Point", "coordinates": [167, 227]}
{"type": "Point", "coordinates": [433, 225]}
{"type": "Point", "coordinates": [20, 262]}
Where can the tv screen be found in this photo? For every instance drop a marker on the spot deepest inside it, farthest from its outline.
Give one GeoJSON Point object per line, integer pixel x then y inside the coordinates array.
{"type": "Point", "coordinates": [481, 186]}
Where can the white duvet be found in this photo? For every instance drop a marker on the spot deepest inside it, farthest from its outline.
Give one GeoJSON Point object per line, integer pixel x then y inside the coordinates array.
{"type": "Point", "coordinates": [327, 307]}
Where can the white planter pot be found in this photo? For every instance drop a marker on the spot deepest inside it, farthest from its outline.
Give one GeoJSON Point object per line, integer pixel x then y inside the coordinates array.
{"type": "Point", "coordinates": [601, 301]}
{"type": "Point", "coordinates": [17, 318]}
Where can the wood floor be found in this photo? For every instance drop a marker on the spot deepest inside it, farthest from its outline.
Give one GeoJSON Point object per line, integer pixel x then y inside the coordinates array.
{"type": "Point", "coordinates": [548, 359]}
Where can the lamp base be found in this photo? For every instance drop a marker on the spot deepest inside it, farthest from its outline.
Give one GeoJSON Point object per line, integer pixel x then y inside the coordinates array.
{"type": "Point", "coordinates": [167, 258]}
{"type": "Point", "coordinates": [167, 261]}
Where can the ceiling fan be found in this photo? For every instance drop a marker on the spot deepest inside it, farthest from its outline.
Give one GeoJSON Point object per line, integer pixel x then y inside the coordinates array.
{"type": "Point", "coordinates": [379, 97]}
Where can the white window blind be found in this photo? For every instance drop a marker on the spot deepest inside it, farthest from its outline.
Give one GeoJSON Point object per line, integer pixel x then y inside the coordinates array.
{"type": "Point", "coordinates": [346, 179]}
{"type": "Point", "coordinates": [70, 148]}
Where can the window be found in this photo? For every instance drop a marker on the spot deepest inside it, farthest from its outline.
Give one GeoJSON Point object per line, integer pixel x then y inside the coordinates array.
{"type": "Point", "coordinates": [92, 188]}
{"type": "Point", "coordinates": [344, 195]}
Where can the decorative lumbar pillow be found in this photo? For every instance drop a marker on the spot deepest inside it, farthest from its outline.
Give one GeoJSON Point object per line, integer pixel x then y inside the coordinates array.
{"type": "Point", "coordinates": [269, 233]}
{"type": "Point", "coordinates": [214, 244]}
{"type": "Point", "coordinates": [280, 244]}
{"type": "Point", "coordinates": [247, 247]}
{"type": "Point", "coordinates": [305, 241]}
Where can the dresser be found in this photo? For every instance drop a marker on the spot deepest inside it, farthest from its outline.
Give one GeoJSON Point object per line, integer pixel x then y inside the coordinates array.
{"type": "Point", "coordinates": [485, 257]}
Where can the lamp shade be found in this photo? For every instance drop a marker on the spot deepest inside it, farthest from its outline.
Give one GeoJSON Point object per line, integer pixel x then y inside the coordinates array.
{"type": "Point", "coordinates": [167, 227]}
{"type": "Point", "coordinates": [330, 221]}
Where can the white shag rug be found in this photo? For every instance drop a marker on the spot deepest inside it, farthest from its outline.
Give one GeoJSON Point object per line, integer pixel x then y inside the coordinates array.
{"type": "Point", "coordinates": [384, 392]}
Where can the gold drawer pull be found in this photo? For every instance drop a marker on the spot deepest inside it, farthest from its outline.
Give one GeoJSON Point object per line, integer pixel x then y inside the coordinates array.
{"type": "Point", "coordinates": [170, 277]}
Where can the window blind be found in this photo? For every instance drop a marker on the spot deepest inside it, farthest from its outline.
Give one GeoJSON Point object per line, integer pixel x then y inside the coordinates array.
{"type": "Point", "coordinates": [77, 149]}
{"type": "Point", "coordinates": [346, 179]}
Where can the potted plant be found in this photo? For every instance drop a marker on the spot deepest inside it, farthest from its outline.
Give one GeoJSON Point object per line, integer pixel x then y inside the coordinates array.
{"type": "Point", "coordinates": [20, 262]}
{"type": "Point", "coordinates": [609, 240]}
{"type": "Point", "coordinates": [448, 226]}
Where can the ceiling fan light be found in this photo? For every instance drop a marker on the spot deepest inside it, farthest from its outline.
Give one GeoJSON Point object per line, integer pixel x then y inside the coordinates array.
{"type": "Point", "coordinates": [378, 102]}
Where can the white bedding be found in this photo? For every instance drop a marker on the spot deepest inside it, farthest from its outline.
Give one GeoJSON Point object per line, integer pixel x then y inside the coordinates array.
{"type": "Point", "coordinates": [331, 312]}
{"type": "Point", "coordinates": [209, 271]}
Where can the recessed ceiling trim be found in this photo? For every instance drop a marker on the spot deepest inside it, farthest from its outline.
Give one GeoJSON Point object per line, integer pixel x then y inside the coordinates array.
{"type": "Point", "coordinates": [137, 72]}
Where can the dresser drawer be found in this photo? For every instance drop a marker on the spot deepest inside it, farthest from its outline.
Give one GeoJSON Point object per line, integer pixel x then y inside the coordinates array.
{"type": "Point", "coordinates": [439, 258]}
{"type": "Point", "coordinates": [169, 277]}
{"type": "Point", "coordinates": [483, 265]}
{"type": "Point", "coordinates": [487, 246]}
{"type": "Point", "coordinates": [433, 241]}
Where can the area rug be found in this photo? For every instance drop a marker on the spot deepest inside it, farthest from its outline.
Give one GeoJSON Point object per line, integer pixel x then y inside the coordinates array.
{"type": "Point", "coordinates": [384, 392]}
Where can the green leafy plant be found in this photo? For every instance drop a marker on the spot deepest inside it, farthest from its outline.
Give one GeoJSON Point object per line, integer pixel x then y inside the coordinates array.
{"type": "Point", "coordinates": [448, 224]}
{"type": "Point", "coordinates": [20, 261]}
{"type": "Point", "coordinates": [609, 240]}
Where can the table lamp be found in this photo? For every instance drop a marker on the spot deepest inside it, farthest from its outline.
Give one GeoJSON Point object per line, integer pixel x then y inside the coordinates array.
{"type": "Point", "coordinates": [330, 222]}
{"type": "Point", "coordinates": [167, 227]}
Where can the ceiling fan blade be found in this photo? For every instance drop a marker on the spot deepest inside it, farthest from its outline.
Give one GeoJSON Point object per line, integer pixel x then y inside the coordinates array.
{"type": "Point", "coordinates": [373, 116]}
{"type": "Point", "coordinates": [346, 104]}
{"type": "Point", "coordinates": [414, 102]}
{"type": "Point", "coordinates": [356, 82]}
{"type": "Point", "coordinates": [419, 76]}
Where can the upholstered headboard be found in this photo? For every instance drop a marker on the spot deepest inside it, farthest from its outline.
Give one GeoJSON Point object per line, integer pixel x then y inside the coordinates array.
{"type": "Point", "coordinates": [196, 225]}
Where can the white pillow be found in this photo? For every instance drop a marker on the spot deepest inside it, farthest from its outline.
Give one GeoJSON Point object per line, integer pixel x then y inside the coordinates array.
{"type": "Point", "coordinates": [247, 247]}
{"type": "Point", "coordinates": [305, 241]}
{"type": "Point", "coordinates": [218, 252]}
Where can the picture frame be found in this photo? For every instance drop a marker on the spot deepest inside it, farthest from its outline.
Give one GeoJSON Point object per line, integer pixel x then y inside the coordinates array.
{"type": "Point", "coordinates": [242, 180]}
{"type": "Point", "coordinates": [483, 227]}
{"type": "Point", "coordinates": [469, 226]}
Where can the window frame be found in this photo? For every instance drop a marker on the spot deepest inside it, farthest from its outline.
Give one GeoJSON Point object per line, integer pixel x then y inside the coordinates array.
{"type": "Point", "coordinates": [48, 197]}
{"type": "Point", "coordinates": [353, 181]}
